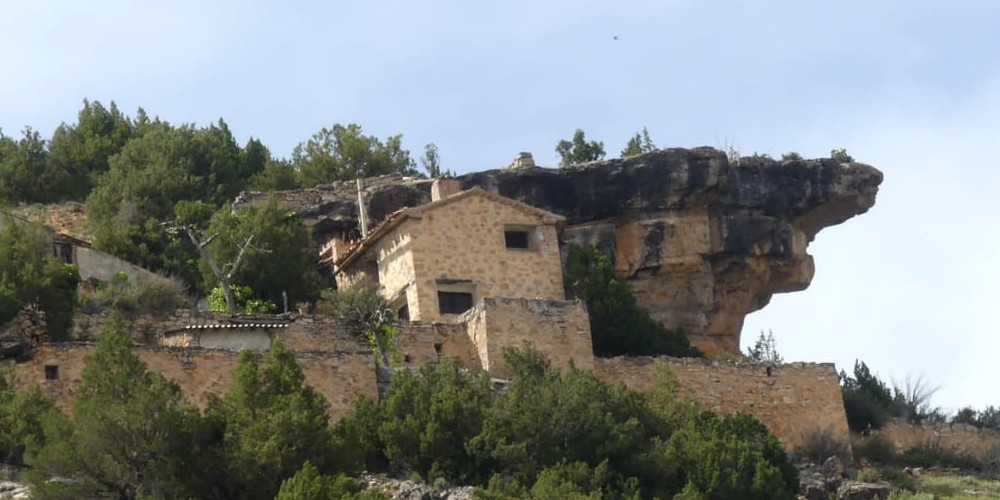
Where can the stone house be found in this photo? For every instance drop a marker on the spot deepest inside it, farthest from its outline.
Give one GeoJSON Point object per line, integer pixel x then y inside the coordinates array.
{"type": "Point", "coordinates": [95, 266]}
{"type": "Point", "coordinates": [436, 261]}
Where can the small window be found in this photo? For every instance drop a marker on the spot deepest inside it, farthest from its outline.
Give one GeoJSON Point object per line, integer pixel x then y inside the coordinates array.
{"type": "Point", "coordinates": [454, 302]}
{"type": "Point", "coordinates": [517, 238]}
{"type": "Point", "coordinates": [407, 358]}
{"type": "Point", "coordinates": [403, 313]}
{"type": "Point", "coordinates": [437, 348]}
{"type": "Point", "coordinates": [51, 372]}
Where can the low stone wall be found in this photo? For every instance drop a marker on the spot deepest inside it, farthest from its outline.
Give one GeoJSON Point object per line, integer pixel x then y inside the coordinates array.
{"type": "Point", "coordinates": [340, 376]}
{"type": "Point", "coordinates": [186, 328]}
{"type": "Point", "coordinates": [792, 400]}
{"type": "Point", "coordinates": [558, 328]}
{"type": "Point", "coordinates": [960, 438]}
{"type": "Point", "coordinates": [420, 343]}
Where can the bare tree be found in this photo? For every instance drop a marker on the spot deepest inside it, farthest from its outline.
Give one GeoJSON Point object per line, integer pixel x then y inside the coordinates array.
{"type": "Point", "coordinates": [225, 272]}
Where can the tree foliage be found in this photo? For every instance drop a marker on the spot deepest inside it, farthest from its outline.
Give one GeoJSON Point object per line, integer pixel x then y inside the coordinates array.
{"type": "Point", "coordinates": [552, 434]}
{"type": "Point", "coordinates": [245, 301]}
{"type": "Point", "coordinates": [21, 417]}
{"type": "Point", "coordinates": [765, 350]}
{"type": "Point", "coordinates": [309, 484]}
{"type": "Point", "coordinates": [80, 152]}
{"type": "Point", "coordinates": [272, 424]}
{"type": "Point", "coordinates": [343, 153]}
{"type": "Point", "coordinates": [733, 456]}
{"type": "Point", "coordinates": [131, 432]}
{"type": "Point", "coordinates": [618, 324]}
{"type": "Point", "coordinates": [29, 274]}
{"type": "Point", "coordinates": [579, 150]}
{"type": "Point", "coordinates": [870, 402]}
{"type": "Point", "coordinates": [364, 311]}
{"type": "Point", "coordinates": [638, 144]}
{"type": "Point", "coordinates": [280, 259]}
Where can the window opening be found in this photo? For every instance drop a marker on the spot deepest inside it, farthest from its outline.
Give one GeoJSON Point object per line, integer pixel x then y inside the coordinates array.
{"type": "Point", "coordinates": [517, 238]}
{"type": "Point", "coordinates": [454, 302]}
{"type": "Point", "coordinates": [51, 372]}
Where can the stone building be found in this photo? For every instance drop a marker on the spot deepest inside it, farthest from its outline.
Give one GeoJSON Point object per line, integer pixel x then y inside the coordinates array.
{"type": "Point", "coordinates": [437, 260]}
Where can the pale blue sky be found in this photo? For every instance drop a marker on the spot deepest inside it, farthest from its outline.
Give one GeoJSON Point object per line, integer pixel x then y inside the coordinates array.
{"type": "Point", "coordinates": [911, 87]}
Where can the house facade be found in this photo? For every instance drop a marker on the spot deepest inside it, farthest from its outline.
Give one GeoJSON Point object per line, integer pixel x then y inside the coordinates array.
{"type": "Point", "coordinates": [436, 261]}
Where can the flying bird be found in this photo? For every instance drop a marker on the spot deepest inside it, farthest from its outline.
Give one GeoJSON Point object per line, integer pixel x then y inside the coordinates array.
{"type": "Point", "coordinates": [615, 37]}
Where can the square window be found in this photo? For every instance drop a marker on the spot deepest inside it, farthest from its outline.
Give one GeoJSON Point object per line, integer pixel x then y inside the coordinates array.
{"type": "Point", "coordinates": [51, 372]}
{"type": "Point", "coordinates": [454, 302]}
{"type": "Point", "coordinates": [517, 239]}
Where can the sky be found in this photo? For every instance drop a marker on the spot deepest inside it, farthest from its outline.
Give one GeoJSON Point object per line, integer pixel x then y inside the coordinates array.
{"type": "Point", "coordinates": [911, 87]}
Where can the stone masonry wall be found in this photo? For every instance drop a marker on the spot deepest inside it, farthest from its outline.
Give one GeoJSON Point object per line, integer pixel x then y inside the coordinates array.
{"type": "Point", "coordinates": [955, 437]}
{"type": "Point", "coordinates": [420, 343]}
{"type": "Point", "coordinates": [464, 240]}
{"type": "Point", "coordinates": [305, 332]}
{"type": "Point", "coordinates": [340, 376]}
{"type": "Point", "coordinates": [793, 400]}
{"type": "Point", "coordinates": [558, 328]}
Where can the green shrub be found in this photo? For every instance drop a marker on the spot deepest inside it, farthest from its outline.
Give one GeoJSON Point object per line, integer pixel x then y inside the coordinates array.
{"type": "Point", "coordinates": [21, 415]}
{"type": "Point", "coordinates": [876, 449]}
{"type": "Point", "coordinates": [931, 454]}
{"type": "Point", "coordinates": [734, 457]}
{"type": "Point", "coordinates": [841, 155]}
{"type": "Point", "coordinates": [428, 418]}
{"type": "Point", "coordinates": [156, 294]}
{"type": "Point", "coordinates": [309, 484]}
{"type": "Point", "coordinates": [899, 479]}
{"type": "Point", "coordinates": [821, 443]}
{"type": "Point", "coordinates": [245, 301]}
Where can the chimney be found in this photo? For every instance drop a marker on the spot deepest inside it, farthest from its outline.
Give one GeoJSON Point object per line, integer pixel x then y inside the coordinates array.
{"type": "Point", "coordinates": [444, 187]}
{"type": "Point", "coordinates": [523, 160]}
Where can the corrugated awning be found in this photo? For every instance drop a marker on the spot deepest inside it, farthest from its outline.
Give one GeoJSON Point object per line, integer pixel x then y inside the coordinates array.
{"type": "Point", "coordinates": [234, 326]}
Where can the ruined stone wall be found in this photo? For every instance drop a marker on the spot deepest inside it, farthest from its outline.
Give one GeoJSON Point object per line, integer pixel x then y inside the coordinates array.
{"type": "Point", "coordinates": [793, 400]}
{"type": "Point", "coordinates": [340, 376]}
{"type": "Point", "coordinates": [396, 274]}
{"type": "Point", "coordinates": [421, 343]}
{"type": "Point", "coordinates": [96, 265]}
{"type": "Point", "coordinates": [464, 240]}
{"type": "Point", "coordinates": [959, 438]}
{"type": "Point", "coordinates": [558, 328]}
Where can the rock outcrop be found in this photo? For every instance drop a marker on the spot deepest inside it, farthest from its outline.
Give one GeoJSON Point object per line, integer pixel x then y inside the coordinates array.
{"type": "Point", "coordinates": [703, 242]}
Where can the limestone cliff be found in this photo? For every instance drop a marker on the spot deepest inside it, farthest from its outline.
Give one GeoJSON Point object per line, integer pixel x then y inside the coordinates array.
{"type": "Point", "coordinates": [703, 242]}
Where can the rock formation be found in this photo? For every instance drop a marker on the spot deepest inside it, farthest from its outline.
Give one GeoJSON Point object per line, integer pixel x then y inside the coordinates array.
{"type": "Point", "coordinates": [702, 241]}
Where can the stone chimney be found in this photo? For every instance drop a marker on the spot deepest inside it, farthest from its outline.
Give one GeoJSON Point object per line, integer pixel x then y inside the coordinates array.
{"type": "Point", "coordinates": [444, 187]}
{"type": "Point", "coordinates": [523, 160]}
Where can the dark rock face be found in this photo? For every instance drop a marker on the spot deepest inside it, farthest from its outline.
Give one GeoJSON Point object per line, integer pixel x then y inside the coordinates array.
{"type": "Point", "coordinates": [703, 242]}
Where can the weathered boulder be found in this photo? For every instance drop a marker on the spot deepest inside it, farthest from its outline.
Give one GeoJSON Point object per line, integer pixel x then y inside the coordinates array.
{"type": "Point", "coordinates": [702, 241]}
{"type": "Point", "coordinates": [864, 491]}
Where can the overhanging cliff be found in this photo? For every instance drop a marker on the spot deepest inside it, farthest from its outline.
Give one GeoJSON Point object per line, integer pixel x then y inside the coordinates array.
{"type": "Point", "coordinates": [703, 242]}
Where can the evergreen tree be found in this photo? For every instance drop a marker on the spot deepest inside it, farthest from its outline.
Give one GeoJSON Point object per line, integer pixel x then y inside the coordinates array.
{"type": "Point", "coordinates": [344, 153]}
{"type": "Point", "coordinates": [281, 257]}
{"type": "Point", "coordinates": [638, 144]}
{"type": "Point", "coordinates": [579, 150]}
{"type": "Point", "coordinates": [131, 433]}
{"type": "Point", "coordinates": [273, 423]}
{"type": "Point", "coordinates": [82, 151]}
{"type": "Point", "coordinates": [29, 274]}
